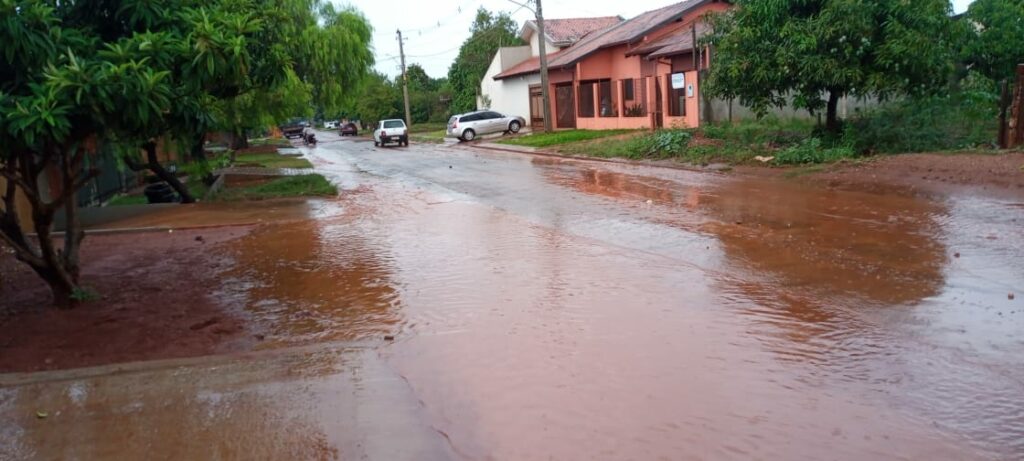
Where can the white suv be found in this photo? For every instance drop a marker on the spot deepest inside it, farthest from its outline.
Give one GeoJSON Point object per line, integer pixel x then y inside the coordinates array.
{"type": "Point", "coordinates": [468, 126]}
{"type": "Point", "coordinates": [391, 130]}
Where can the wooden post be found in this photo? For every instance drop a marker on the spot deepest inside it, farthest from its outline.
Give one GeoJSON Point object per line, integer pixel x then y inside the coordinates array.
{"type": "Point", "coordinates": [541, 44]}
{"type": "Point", "coordinates": [698, 61]}
{"type": "Point", "coordinates": [1015, 126]}
{"type": "Point", "coordinates": [1004, 104]}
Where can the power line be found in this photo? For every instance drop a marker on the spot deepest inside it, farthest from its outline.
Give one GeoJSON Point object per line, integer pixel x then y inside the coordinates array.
{"type": "Point", "coordinates": [444, 21]}
{"type": "Point", "coordinates": [433, 54]}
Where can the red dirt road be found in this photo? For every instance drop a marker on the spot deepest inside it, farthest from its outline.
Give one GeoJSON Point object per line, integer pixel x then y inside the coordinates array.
{"type": "Point", "coordinates": [1000, 175]}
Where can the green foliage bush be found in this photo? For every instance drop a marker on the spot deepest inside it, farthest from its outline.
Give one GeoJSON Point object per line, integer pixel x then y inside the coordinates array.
{"type": "Point", "coordinates": [813, 150]}
{"type": "Point", "coordinates": [771, 131]}
{"type": "Point", "coordinates": [962, 120]}
{"type": "Point", "coordinates": [663, 143]}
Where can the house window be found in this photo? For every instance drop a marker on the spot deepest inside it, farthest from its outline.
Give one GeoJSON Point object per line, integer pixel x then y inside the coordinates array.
{"type": "Point", "coordinates": [586, 99]}
{"type": "Point", "coordinates": [606, 99]}
{"type": "Point", "coordinates": [676, 99]}
{"type": "Point", "coordinates": [633, 105]}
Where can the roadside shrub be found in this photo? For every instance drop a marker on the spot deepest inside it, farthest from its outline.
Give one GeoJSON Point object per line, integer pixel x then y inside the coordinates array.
{"type": "Point", "coordinates": [769, 130]}
{"type": "Point", "coordinates": [663, 143]}
{"type": "Point", "coordinates": [715, 131]}
{"type": "Point", "coordinates": [965, 119]}
{"type": "Point", "coordinates": [813, 150]}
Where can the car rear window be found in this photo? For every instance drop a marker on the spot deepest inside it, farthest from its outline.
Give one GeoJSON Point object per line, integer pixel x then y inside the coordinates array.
{"type": "Point", "coordinates": [394, 124]}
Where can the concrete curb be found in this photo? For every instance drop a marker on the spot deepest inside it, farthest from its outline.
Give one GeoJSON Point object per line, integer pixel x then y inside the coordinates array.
{"type": "Point", "coordinates": [22, 378]}
{"type": "Point", "coordinates": [140, 230]}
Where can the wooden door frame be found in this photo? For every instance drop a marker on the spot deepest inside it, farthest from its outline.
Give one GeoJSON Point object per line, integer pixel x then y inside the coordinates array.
{"type": "Point", "coordinates": [534, 92]}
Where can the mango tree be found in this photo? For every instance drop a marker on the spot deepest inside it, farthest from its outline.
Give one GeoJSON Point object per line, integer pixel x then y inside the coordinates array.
{"type": "Point", "coordinates": [815, 52]}
{"type": "Point", "coordinates": [78, 74]}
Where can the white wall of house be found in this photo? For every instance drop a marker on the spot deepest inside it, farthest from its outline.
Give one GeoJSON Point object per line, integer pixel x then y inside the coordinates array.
{"type": "Point", "coordinates": [509, 96]}
{"type": "Point", "coordinates": [530, 34]}
{"type": "Point", "coordinates": [513, 96]}
{"type": "Point", "coordinates": [722, 108]}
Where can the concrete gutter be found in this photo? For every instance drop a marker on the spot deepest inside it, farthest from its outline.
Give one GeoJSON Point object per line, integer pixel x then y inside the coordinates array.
{"type": "Point", "coordinates": [21, 378]}
{"type": "Point", "coordinates": [142, 230]}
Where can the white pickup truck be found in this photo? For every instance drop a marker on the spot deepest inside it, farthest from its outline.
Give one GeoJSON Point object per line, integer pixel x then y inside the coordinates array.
{"type": "Point", "coordinates": [391, 130]}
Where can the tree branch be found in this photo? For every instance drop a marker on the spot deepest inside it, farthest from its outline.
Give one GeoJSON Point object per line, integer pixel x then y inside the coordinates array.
{"type": "Point", "coordinates": [20, 182]}
{"type": "Point", "coordinates": [21, 249]}
{"type": "Point", "coordinates": [134, 165]}
{"type": "Point", "coordinates": [74, 187]}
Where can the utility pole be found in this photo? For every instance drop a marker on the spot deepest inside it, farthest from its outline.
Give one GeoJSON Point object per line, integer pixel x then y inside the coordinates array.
{"type": "Point", "coordinates": [405, 81]}
{"type": "Point", "coordinates": [542, 48]}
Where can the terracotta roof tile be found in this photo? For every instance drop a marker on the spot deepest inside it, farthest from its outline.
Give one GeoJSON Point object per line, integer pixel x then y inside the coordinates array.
{"type": "Point", "coordinates": [627, 31]}
{"type": "Point", "coordinates": [528, 66]}
{"type": "Point", "coordinates": [571, 30]}
{"type": "Point", "coordinates": [676, 42]}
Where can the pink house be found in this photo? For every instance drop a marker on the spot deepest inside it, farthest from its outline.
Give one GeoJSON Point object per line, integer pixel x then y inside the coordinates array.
{"type": "Point", "coordinates": [639, 73]}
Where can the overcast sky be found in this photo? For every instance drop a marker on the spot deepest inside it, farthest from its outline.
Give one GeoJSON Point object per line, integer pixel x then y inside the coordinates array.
{"type": "Point", "coordinates": [435, 29]}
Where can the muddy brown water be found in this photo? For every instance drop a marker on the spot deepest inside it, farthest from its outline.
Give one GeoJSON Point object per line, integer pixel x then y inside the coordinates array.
{"type": "Point", "coordinates": [547, 309]}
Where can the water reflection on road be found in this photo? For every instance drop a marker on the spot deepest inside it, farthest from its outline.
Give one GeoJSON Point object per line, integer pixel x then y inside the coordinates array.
{"type": "Point", "coordinates": [572, 310]}
{"type": "Point", "coordinates": [316, 280]}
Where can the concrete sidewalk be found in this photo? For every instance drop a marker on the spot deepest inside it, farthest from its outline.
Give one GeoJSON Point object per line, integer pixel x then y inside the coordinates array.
{"type": "Point", "coordinates": [325, 402]}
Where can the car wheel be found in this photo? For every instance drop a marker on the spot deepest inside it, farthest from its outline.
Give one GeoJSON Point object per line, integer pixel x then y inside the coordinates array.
{"type": "Point", "coordinates": [405, 142]}
{"type": "Point", "coordinates": [468, 135]}
{"type": "Point", "coordinates": [514, 127]}
{"type": "Point", "coordinates": [376, 144]}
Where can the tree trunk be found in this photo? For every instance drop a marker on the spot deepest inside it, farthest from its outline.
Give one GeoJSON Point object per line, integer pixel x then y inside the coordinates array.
{"type": "Point", "coordinates": [832, 115]}
{"type": "Point", "coordinates": [58, 267]}
{"type": "Point", "coordinates": [158, 169]}
{"type": "Point", "coordinates": [198, 151]}
{"type": "Point", "coordinates": [62, 286]}
{"type": "Point", "coordinates": [198, 155]}
{"type": "Point", "coordinates": [239, 139]}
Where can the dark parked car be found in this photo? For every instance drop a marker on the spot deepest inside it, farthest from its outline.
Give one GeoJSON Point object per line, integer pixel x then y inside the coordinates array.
{"type": "Point", "coordinates": [293, 128]}
{"type": "Point", "coordinates": [348, 129]}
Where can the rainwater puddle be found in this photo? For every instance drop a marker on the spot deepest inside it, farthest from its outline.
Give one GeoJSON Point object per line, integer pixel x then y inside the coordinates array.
{"type": "Point", "coordinates": [548, 309]}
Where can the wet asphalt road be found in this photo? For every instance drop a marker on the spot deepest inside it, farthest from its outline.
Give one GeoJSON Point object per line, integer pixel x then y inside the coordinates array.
{"type": "Point", "coordinates": [550, 309]}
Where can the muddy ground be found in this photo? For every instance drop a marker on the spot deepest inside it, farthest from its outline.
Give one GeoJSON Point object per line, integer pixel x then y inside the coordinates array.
{"type": "Point", "coordinates": [937, 174]}
{"type": "Point", "coordinates": [153, 302]}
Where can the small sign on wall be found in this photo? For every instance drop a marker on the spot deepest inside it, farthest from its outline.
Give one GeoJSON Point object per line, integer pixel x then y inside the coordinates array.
{"type": "Point", "coordinates": [678, 81]}
{"type": "Point", "coordinates": [689, 90]}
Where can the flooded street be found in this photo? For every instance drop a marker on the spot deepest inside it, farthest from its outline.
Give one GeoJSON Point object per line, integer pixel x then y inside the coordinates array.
{"type": "Point", "coordinates": [551, 309]}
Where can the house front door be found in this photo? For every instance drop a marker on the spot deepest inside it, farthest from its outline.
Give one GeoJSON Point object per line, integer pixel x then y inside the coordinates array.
{"type": "Point", "coordinates": [565, 105]}
{"type": "Point", "coordinates": [536, 108]}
